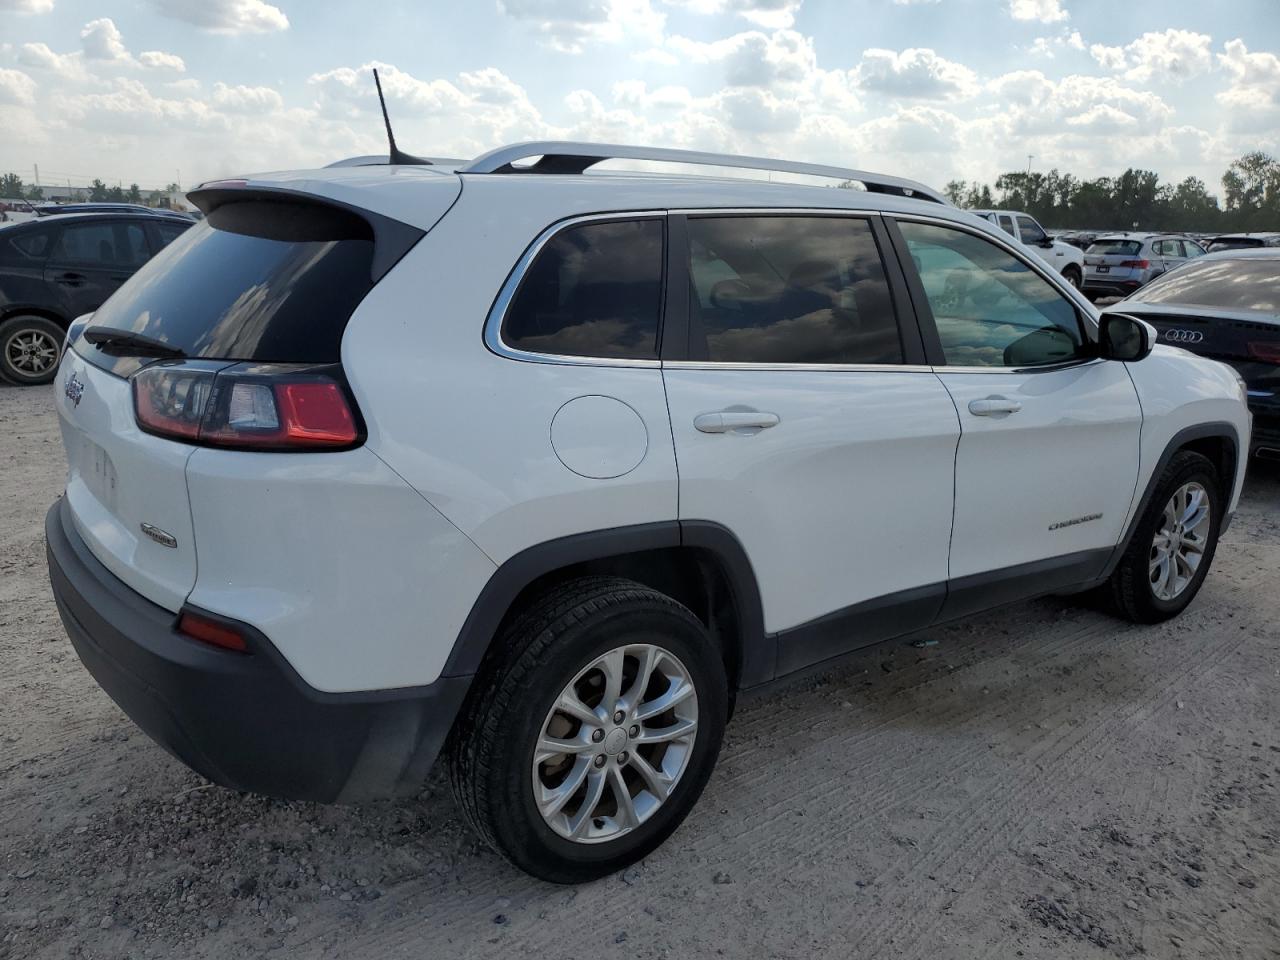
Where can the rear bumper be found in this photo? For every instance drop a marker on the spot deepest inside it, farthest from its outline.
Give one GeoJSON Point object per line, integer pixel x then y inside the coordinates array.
{"type": "Point", "coordinates": [246, 721]}
{"type": "Point", "coordinates": [1093, 283]}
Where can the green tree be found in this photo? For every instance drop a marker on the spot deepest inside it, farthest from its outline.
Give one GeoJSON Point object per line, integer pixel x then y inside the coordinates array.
{"type": "Point", "coordinates": [134, 194]}
{"type": "Point", "coordinates": [97, 191]}
{"type": "Point", "coordinates": [11, 186]}
{"type": "Point", "coordinates": [1252, 191]}
{"type": "Point", "coordinates": [955, 191]}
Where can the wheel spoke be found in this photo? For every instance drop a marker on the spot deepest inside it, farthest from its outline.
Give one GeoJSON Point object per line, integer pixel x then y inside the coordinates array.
{"type": "Point", "coordinates": [552, 801]}
{"type": "Point", "coordinates": [549, 747]}
{"type": "Point", "coordinates": [622, 797]}
{"type": "Point", "coordinates": [677, 731]}
{"type": "Point", "coordinates": [611, 666]}
{"type": "Point", "coordinates": [648, 661]}
{"type": "Point", "coordinates": [659, 783]}
{"type": "Point", "coordinates": [570, 705]}
{"type": "Point", "coordinates": [595, 789]}
{"type": "Point", "coordinates": [679, 691]}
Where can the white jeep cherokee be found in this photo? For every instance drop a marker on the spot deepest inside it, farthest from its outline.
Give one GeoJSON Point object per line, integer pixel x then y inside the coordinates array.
{"type": "Point", "coordinates": [537, 468]}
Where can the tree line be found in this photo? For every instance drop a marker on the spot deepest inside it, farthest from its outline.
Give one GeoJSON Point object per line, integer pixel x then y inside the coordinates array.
{"type": "Point", "coordinates": [13, 187]}
{"type": "Point", "coordinates": [1137, 200]}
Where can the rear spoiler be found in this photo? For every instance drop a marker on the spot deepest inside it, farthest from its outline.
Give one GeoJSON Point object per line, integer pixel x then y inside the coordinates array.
{"type": "Point", "coordinates": [392, 239]}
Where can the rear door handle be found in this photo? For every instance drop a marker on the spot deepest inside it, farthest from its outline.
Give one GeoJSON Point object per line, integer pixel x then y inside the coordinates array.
{"type": "Point", "coordinates": [71, 279]}
{"type": "Point", "coordinates": [733, 421]}
{"type": "Point", "coordinates": [994, 406]}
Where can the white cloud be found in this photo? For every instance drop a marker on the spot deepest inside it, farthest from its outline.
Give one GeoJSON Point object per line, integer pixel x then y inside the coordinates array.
{"type": "Point", "coordinates": [226, 16]}
{"type": "Point", "coordinates": [1033, 104]}
{"type": "Point", "coordinates": [27, 6]}
{"type": "Point", "coordinates": [571, 25]}
{"type": "Point", "coordinates": [1048, 46]}
{"type": "Point", "coordinates": [241, 99]}
{"type": "Point", "coordinates": [753, 59]}
{"type": "Point", "coordinates": [102, 47]}
{"type": "Point", "coordinates": [101, 40]}
{"type": "Point", "coordinates": [159, 60]}
{"type": "Point", "coordinates": [1173, 55]}
{"type": "Point", "coordinates": [1253, 97]}
{"type": "Point", "coordinates": [917, 73]}
{"type": "Point", "coordinates": [1045, 11]}
{"type": "Point", "coordinates": [770, 14]}
{"type": "Point", "coordinates": [914, 3]}
{"type": "Point", "coordinates": [16, 87]}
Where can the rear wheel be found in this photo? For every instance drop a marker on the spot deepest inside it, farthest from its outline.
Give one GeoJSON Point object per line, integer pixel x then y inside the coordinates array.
{"type": "Point", "coordinates": [1167, 560]}
{"type": "Point", "coordinates": [585, 746]}
{"type": "Point", "coordinates": [29, 349]}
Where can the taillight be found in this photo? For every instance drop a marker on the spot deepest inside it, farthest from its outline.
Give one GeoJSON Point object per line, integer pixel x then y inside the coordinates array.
{"type": "Point", "coordinates": [1136, 264]}
{"type": "Point", "coordinates": [212, 632]}
{"type": "Point", "coordinates": [246, 406]}
{"type": "Point", "coordinates": [1268, 351]}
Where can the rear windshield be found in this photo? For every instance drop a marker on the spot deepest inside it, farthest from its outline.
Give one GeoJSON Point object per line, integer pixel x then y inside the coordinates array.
{"type": "Point", "coordinates": [1250, 285]}
{"type": "Point", "coordinates": [260, 280]}
{"type": "Point", "coordinates": [1115, 247]}
{"type": "Point", "coordinates": [1234, 243]}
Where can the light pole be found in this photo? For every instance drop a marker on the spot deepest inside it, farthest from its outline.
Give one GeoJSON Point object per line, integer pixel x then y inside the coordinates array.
{"type": "Point", "coordinates": [1030, 157]}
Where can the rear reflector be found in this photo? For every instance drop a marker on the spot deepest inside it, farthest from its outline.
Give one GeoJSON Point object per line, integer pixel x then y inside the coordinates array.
{"type": "Point", "coordinates": [209, 631]}
{"type": "Point", "coordinates": [1267, 351]}
{"type": "Point", "coordinates": [246, 406]}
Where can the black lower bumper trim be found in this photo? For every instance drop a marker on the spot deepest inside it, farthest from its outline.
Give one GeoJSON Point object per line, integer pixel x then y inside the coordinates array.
{"type": "Point", "coordinates": [245, 721]}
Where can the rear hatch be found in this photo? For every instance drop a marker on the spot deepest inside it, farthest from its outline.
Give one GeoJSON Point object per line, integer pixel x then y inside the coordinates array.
{"type": "Point", "coordinates": [1116, 260]}
{"type": "Point", "coordinates": [268, 278]}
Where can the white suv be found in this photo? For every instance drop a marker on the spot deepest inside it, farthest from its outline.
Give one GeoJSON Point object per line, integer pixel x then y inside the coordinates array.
{"type": "Point", "coordinates": [537, 468]}
{"type": "Point", "coordinates": [1066, 258]}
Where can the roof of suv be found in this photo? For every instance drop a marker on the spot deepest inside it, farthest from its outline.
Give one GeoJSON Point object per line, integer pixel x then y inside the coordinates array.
{"type": "Point", "coordinates": [391, 190]}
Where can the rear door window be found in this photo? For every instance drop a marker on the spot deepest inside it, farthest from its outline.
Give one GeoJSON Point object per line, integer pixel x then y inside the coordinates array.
{"type": "Point", "coordinates": [594, 290]}
{"type": "Point", "coordinates": [789, 289]}
{"type": "Point", "coordinates": [264, 280]}
{"type": "Point", "coordinates": [87, 243]}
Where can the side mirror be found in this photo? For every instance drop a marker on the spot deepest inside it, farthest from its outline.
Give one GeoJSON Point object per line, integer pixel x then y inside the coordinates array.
{"type": "Point", "coordinates": [1047, 242]}
{"type": "Point", "coordinates": [1122, 337]}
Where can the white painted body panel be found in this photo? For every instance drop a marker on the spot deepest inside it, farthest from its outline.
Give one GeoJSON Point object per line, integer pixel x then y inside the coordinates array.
{"type": "Point", "coordinates": [119, 478]}
{"type": "Point", "coordinates": [848, 498]}
{"type": "Point", "coordinates": [1178, 390]}
{"type": "Point", "coordinates": [1070, 452]}
{"type": "Point", "coordinates": [359, 582]}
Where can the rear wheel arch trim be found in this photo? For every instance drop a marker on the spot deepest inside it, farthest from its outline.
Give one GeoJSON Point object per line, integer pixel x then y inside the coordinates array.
{"type": "Point", "coordinates": [1213, 430]}
{"type": "Point", "coordinates": [513, 576]}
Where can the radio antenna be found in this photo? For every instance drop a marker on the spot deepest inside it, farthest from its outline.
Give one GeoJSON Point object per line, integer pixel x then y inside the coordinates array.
{"type": "Point", "coordinates": [395, 155]}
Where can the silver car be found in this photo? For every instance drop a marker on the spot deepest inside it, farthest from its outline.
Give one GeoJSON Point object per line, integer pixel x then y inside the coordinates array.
{"type": "Point", "coordinates": [1119, 265]}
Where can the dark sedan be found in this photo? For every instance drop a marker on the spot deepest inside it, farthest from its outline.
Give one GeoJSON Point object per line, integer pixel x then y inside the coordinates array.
{"type": "Point", "coordinates": [1225, 306]}
{"type": "Point", "coordinates": [55, 269]}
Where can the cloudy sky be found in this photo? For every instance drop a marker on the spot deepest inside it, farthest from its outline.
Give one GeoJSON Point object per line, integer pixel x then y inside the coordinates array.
{"type": "Point", "coordinates": [139, 90]}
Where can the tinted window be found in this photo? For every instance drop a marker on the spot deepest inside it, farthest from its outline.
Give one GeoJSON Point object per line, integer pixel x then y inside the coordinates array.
{"type": "Point", "coordinates": [789, 290]}
{"type": "Point", "coordinates": [594, 290]}
{"type": "Point", "coordinates": [1235, 243]}
{"type": "Point", "coordinates": [991, 310]}
{"type": "Point", "coordinates": [1122, 248]}
{"type": "Point", "coordinates": [131, 244]}
{"type": "Point", "coordinates": [32, 244]}
{"type": "Point", "coordinates": [1029, 230]}
{"type": "Point", "coordinates": [1006, 224]}
{"type": "Point", "coordinates": [88, 243]}
{"type": "Point", "coordinates": [1193, 249]}
{"type": "Point", "coordinates": [169, 232]}
{"type": "Point", "coordinates": [1229, 284]}
{"type": "Point", "coordinates": [258, 280]}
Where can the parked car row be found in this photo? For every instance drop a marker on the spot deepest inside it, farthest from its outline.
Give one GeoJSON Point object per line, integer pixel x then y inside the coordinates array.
{"type": "Point", "coordinates": [1119, 265]}
{"type": "Point", "coordinates": [54, 269]}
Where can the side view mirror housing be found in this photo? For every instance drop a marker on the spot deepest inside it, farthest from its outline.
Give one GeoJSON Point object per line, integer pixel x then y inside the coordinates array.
{"type": "Point", "coordinates": [1047, 242]}
{"type": "Point", "coordinates": [1124, 337]}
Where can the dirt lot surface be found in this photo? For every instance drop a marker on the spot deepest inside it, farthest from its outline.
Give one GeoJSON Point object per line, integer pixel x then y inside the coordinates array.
{"type": "Point", "coordinates": [1043, 781]}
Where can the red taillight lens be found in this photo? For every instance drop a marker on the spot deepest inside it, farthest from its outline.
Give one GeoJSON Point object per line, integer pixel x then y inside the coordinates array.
{"type": "Point", "coordinates": [212, 632]}
{"type": "Point", "coordinates": [1266, 351]}
{"type": "Point", "coordinates": [1136, 264]}
{"type": "Point", "coordinates": [246, 406]}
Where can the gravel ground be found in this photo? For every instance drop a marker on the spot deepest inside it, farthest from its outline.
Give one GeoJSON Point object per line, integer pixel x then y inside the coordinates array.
{"type": "Point", "coordinates": [1043, 781]}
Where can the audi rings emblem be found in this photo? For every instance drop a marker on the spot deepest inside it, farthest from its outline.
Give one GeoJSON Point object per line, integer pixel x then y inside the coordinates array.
{"type": "Point", "coordinates": [1183, 336]}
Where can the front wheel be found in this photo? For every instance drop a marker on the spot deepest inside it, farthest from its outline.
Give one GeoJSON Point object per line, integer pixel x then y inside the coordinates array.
{"type": "Point", "coordinates": [1073, 276]}
{"type": "Point", "coordinates": [1171, 550]}
{"type": "Point", "coordinates": [588, 741]}
{"type": "Point", "coordinates": [29, 349]}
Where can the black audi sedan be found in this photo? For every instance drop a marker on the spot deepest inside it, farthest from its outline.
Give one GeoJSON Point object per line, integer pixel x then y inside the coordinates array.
{"type": "Point", "coordinates": [55, 269]}
{"type": "Point", "coordinates": [1226, 306]}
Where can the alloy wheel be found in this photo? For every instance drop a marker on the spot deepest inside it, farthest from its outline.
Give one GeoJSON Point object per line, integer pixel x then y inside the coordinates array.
{"type": "Point", "coordinates": [615, 743]}
{"type": "Point", "coordinates": [32, 352]}
{"type": "Point", "coordinates": [1180, 541]}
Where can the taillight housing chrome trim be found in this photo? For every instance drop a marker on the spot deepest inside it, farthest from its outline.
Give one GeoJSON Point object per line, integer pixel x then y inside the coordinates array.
{"type": "Point", "coordinates": [275, 407]}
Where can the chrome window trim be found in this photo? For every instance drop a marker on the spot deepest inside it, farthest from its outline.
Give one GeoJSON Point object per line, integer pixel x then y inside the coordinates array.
{"type": "Point", "coordinates": [810, 367]}
{"type": "Point", "coordinates": [498, 312]}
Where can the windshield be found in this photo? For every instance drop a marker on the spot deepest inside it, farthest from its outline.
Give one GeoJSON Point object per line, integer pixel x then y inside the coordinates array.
{"type": "Point", "coordinates": [1249, 285]}
{"type": "Point", "coordinates": [1234, 243]}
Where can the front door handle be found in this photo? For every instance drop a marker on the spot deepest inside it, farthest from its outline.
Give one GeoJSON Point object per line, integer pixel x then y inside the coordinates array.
{"type": "Point", "coordinates": [70, 279]}
{"type": "Point", "coordinates": [735, 421]}
{"type": "Point", "coordinates": [994, 407]}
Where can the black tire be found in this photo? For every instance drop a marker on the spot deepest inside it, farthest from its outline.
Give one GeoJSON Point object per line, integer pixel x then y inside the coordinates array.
{"type": "Point", "coordinates": [490, 750]}
{"type": "Point", "coordinates": [1073, 276]}
{"type": "Point", "coordinates": [1130, 585]}
{"type": "Point", "coordinates": [16, 365]}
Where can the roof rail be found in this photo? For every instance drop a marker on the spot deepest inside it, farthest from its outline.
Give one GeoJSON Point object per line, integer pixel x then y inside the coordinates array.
{"type": "Point", "coordinates": [381, 159]}
{"type": "Point", "coordinates": [562, 156]}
